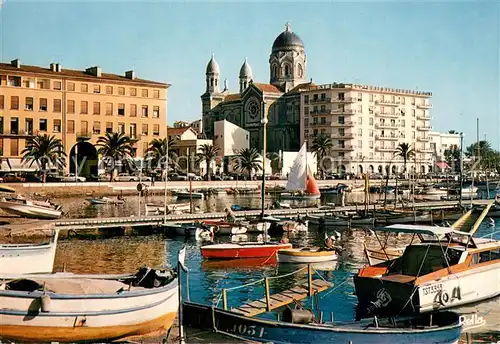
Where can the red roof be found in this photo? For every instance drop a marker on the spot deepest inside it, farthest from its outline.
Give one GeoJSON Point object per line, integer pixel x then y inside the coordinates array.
{"type": "Point", "coordinates": [232, 97]}
{"type": "Point", "coordinates": [177, 131]}
{"type": "Point", "coordinates": [267, 88]}
{"type": "Point", "coordinates": [304, 87]}
{"type": "Point", "coordinates": [78, 74]}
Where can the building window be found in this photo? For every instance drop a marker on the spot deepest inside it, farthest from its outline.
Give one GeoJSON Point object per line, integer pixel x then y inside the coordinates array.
{"type": "Point", "coordinates": [306, 122]}
{"type": "Point", "coordinates": [43, 104]}
{"type": "Point", "coordinates": [315, 132]}
{"type": "Point", "coordinates": [57, 105]}
{"type": "Point", "coordinates": [360, 120]}
{"type": "Point", "coordinates": [84, 88]}
{"type": "Point", "coordinates": [144, 111]}
{"type": "Point", "coordinates": [70, 124]}
{"type": "Point", "coordinates": [42, 124]}
{"type": "Point", "coordinates": [109, 127]}
{"type": "Point", "coordinates": [156, 94]}
{"type": "Point", "coordinates": [121, 109]}
{"type": "Point", "coordinates": [403, 123]}
{"type": "Point", "coordinates": [97, 108]}
{"type": "Point", "coordinates": [323, 120]}
{"type": "Point", "coordinates": [96, 129]}
{"type": "Point", "coordinates": [14, 103]}
{"type": "Point", "coordinates": [29, 82]}
{"type": "Point", "coordinates": [133, 91]}
{"type": "Point", "coordinates": [14, 125]}
{"type": "Point", "coordinates": [306, 99]}
{"type": "Point", "coordinates": [109, 109]}
{"type": "Point", "coordinates": [403, 100]}
{"type": "Point", "coordinates": [1, 101]}
{"type": "Point", "coordinates": [371, 97]}
{"type": "Point", "coordinates": [121, 91]}
{"type": "Point", "coordinates": [412, 101]}
{"type": "Point", "coordinates": [71, 86]}
{"type": "Point", "coordinates": [156, 129]}
{"type": "Point", "coordinates": [84, 107]}
{"type": "Point", "coordinates": [133, 110]}
{"type": "Point", "coordinates": [28, 103]}
{"type": "Point", "coordinates": [84, 128]}
{"type": "Point", "coordinates": [70, 104]}
{"type": "Point", "coordinates": [323, 96]}
{"type": "Point", "coordinates": [360, 132]}
{"type": "Point", "coordinates": [370, 144]}
{"type": "Point", "coordinates": [57, 126]}
{"type": "Point", "coordinates": [43, 84]}
{"type": "Point", "coordinates": [413, 124]}
{"type": "Point", "coordinates": [14, 147]}
{"type": "Point", "coordinates": [370, 132]}
{"type": "Point", "coordinates": [145, 92]}
{"type": "Point", "coordinates": [109, 89]}
{"type": "Point", "coordinates": [370, 121]}
{"type": "Point", "coordinates": [156, 111]}
{"type": "Point", "coordinates": [28, 126]}
{"type": "Point", "coordinates": [341, 119]}
{"type": "Point", "coordinates": [97, 88]}
{"type": "Point", "coordinates": [360, 144]}
{"type": "Point", "coordinates": [57, 85]}
{"type": "Point", "coordinates": [14, 81]}
{"type": "Point", "coordinates": [144, 129]}
{"type": "Point", "coordinates": [132, 130]}
{"type": "Point", "coordinates": [121, 128]}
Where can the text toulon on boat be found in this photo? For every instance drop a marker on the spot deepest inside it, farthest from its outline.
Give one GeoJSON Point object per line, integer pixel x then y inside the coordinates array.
{"type": "Point", "coordinates": [439, 272]}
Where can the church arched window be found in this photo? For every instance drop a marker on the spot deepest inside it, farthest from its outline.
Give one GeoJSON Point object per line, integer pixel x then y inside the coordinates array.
{"type": "Point", "coordinates": [275, 70]}
{"type": "Point", "coordinates": [287, 70]}
{"type": "Point", "coordinates": [300, 71]}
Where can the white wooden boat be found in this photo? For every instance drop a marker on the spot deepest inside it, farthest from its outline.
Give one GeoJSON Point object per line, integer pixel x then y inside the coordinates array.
{"type": "Point", "coordinates": [186, 194]}
{"type": "Point", "coordinates": [159, 209]}
{"type": "Point", "coordinates": [442, 271]}
{"type": "Point", "coordinates": [377, 256]}
{"type": "Point", "coordinates": [28, 258]}
{"type": "Point", "coordinates": [31, 208]}
{"type": "Point", "coordinates": [306, 255]}
{"type": "Point", "coordinates": [301, 183]}
{"type": "Point", "coordinates": [105, 200]}
{"type": "Point", "coordinates": [72, 308]}
{"type": "Point", "coordinates": [226, 228]}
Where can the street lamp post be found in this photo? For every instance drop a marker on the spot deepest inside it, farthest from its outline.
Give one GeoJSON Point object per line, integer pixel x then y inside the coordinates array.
{"type": "Point", "coordinates": [263, 199]}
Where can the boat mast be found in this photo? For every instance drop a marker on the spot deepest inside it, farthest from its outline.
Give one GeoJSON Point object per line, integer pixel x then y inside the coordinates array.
{"type": "Point", "coordinates": [461, 167]}
{"type": "Point", "coordinates": [307, 169]}
{"type": "Point", "coordinates": [166, 177]}
{"type": "Point", "coordinates": [263, 198]}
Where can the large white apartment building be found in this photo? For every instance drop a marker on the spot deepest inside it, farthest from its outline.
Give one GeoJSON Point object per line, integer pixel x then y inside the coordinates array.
{"type": "Point", "coordinates": [366, 125]}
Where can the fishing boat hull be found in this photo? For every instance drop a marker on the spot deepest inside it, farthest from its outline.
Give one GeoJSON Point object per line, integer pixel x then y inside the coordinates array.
{"type": "Point", "coordinates": [27, 258]}
{"type": "Point", "coordinates": [53, 317]}
{"type": "Point", "coordinates": [30, 210]}
{"type": "Point", "coordinates": [186, 194]}
{"type": "Point", "coordinates": [446, 328]}
{"type": "Point", "coordinates": [300, 256]}
{"type": "Point", "coordinates": [243, 250]}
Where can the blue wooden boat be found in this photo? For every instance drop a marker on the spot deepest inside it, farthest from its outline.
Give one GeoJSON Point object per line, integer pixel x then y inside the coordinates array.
{"type": "Point", "coordinates": [443, 327]}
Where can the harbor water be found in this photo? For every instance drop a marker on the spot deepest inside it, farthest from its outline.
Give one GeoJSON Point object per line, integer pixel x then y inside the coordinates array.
{"type": "Point", "coordinates": [208, 278]}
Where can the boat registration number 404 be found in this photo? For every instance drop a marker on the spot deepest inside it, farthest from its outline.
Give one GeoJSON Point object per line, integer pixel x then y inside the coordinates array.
{"type": "Point", "coordinates": [432, 289]}
{"type": "Point", "coordinates": [247, 330]}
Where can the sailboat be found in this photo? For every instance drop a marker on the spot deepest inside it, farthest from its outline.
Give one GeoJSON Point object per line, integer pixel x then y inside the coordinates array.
{"type": "Point", "coordinates": [301, 183]}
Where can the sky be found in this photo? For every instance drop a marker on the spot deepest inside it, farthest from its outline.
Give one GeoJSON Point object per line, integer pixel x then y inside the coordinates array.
{"type": "Point", "coordinates": [448, 48]}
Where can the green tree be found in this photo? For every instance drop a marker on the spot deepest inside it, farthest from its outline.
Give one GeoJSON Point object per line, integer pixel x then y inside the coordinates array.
{"type": "Point", "coordinates": [405, 151]}
{"type": "Point", "coordinates": [321, 147]}
{"type": "Point", "coordinates": [157, 151]}
{"type": "Point", "coordinates": [452, 157]}
{"type": "Point", "coordinates": [207, 153]}
{"type": "Point", "coordinates": [44, 150]}
{"type": "Point", "coordinates": [115, 147]}
{"type": "Point", "coordinates": [249, 160]}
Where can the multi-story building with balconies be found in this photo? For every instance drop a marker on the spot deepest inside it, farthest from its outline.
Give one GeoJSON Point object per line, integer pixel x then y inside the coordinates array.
{"type": "Point", "coordinates": [366, 124]}
{"type": "Point", "coordinates": [77, 107]}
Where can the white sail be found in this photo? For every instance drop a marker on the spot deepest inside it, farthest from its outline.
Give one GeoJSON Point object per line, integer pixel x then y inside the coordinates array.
{"type": "Point", "coordinates": [298, 173]}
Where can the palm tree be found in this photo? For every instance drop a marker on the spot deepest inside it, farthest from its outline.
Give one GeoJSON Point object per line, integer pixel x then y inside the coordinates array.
{"type": "Point", "coordinates": [248, 159]}
{"type": "Point", "coordinates": [44, 150]}
{"type": "Point", "coordinates": [158, 150]}
{"type": "Point", "coordinates": [115, 147]}
{"type": "Point", "coordinates": [207, 153]}
{"type": "Point", "coordinates": [321, 146]}
{"type": "Point", "coordinates": [404, 151]}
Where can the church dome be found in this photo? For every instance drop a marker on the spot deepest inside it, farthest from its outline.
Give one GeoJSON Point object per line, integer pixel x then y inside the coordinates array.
{"type": "Point", "coordinates": [246, 70]}
{"type": "Point", "coordinates": [212, 66]}
{"type": "Point", "coordinates": [287, 40]}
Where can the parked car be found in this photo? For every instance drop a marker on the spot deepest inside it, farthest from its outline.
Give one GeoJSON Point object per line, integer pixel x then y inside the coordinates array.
{"type": "Point", "coordinates": [194, 176]}
{"type": "Point", "coordinates": [13, 178]}
{"type": "Point", "coordinates": [72, 178]}
{"type": "Point", "coordinates": [177, 177]}
{"type": "Point", "coordinates": [124, 177]}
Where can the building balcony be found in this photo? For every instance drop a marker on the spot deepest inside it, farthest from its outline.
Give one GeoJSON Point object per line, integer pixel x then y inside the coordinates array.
{"type": "Point", "coordinates": [320, 124]}
{"type": "Point", "coordinates": [344, 100]}
{"type": "Point", "coordinates": [385, 149]}
{"type": "Point", "coordinates": [423, 138]}
{"type": "Point", "coordinates": [343, 124]}
{"type": "Point", "coordinates": [424, 117]}
{"type": "Point", "coordinates": [386, 114]}
{"type": "Point", "coordinates": [424, 106]}
{"type": "Point", "coordinates": [387, 137]}
{"type": "Point", "coordinates": [386, 126]}
{"type": "Point", "coordinates": [321, 112]}
{"type": "Point", "coordinates": [320, 100]}
{"type": "Point", "coordinates": [343, 112]}
{"type": "Point", "coordinates": [345, 136]}
{"type": "Point", "coordinates": [424, 127]}
{"type": "Point", "coordinates": [19, 133]}
{"type": "Point", "coordinates": [425, 150]}
{"type": "Point", "coordinates": [388, 102]}
{"type": "Point", "coordinates": [344, 148]}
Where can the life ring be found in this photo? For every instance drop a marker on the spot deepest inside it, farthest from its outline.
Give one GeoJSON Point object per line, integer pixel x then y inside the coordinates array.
{"type": "Point", "coordinates": [444, 298]}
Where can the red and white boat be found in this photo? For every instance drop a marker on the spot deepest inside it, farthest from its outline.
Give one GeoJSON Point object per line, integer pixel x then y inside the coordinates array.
{"type": "Point", "coordinates": [242, 250]}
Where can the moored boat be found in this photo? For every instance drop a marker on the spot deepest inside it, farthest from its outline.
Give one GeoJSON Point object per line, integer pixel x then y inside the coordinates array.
{"type": "Point", "coordinates": [242, 250]}
{"type": "Point", "coordinates": [298, 327]}
{"type": "Point", "coordinates": [306, 255]}
{"type": "Point", "coordinates": [31, 208]}
{"type": "Point", "coordinates": [377, 256]}
{"type": "Point", "coordinates": [28, 258]}
{"type": "Point", "coordinates": [64, 307]}
{"type": "Point", "coordinates": [105, 200]}
{"type": "Point", "coordinates": [221, 227]}
{"type": "Point", "coordinates": [159, 209]}
{"type": "Point", "coordinates": [341, 220]}
{"type": "Point", "coordinates": [301, 183]}
{"type": "Point", "coordinates": [187, 194]}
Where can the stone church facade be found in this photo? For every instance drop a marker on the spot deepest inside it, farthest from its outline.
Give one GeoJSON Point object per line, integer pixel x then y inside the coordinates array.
{"type": "Point", "coordinates": [278, 100]}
